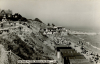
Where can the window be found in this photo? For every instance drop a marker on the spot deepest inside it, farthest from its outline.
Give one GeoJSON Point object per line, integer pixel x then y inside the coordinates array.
{"type": "Point", "coordinates": [8, 15]}
{"type": "Point", "coordinates": [15, 16]}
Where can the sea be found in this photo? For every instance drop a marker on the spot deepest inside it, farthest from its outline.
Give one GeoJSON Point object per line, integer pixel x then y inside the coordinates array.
{"type": "Point", "coordinates": [85, 29]}
{"type": "Point", "coordinates": [94, 40]}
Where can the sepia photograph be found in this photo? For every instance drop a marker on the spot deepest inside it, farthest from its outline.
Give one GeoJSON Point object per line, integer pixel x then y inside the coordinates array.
{"type": "Point", "coordinates": [49, 31]}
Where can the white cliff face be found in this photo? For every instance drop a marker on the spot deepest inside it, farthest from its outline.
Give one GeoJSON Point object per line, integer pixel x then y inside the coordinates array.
{"type": "Point", "coordinates": [3, 55]}
{"type": "Point", "coordinates": [7, 57]}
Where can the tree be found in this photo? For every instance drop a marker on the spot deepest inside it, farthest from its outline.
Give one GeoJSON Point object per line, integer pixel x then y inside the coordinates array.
{"type": "Point", "coordinates": [53, 24]}
{"type": "Point", "coordinates": [48, 24]}
{"type": "Point", "coordinates": [23, 19]}
{"type": "Point", "coordinates": [36, 19]}
{"type": "Point", "coordinates": [20, 28]}
{"type": "Point", "coordinates": [1, 18]}
{"type": "Point", "coordinates": [1, 25]}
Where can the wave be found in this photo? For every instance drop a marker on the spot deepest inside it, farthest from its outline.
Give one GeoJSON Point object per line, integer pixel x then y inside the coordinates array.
{"type": "Point", "coordinates": [93, 46]}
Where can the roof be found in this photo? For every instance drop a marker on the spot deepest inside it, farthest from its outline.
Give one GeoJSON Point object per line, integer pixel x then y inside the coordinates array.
{"type": "Point", "coordinates": [6, 12]}
{"type": "Point", "coordinates": [83, 63]}
{"type": "Point", "coordinates": [61, 45]}
{"type": "Point", "coordinates": [77, 57]}
{"type": "Point", "coordinates": [50, 28]}
{"type": "Point", "coordinates": [2, 11]}
{"type": "Point", "coordinates": [67, 50]}
{"type": "Point", "coordinates": [58, 48]}
{"type": "Point", "coordinates": [54, 27]}
{"type": "Point", "coordinates": [60, 27]}
{"type": "Point", "coordinates": [78, 60]}
{"type": "Point", "coordinates": [71, 54]}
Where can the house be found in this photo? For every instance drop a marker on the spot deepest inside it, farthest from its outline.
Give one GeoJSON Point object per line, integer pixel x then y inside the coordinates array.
{"type": "Point", "coordinates": [5, 14]}
{"type": "Point", "coordinates": [9, 17]}
{"type": "Point", "coordinates": [54, 30]}
{"type": "Point", "coordinates": [4, 18]}
{"type": "Point", "coordinates": [2, 12]}
{"type": "Point", "coordinates": [18, 17]}
{"type": "Point", "coordinates": [15, 17]}
{"type": "Point", "coordinates": [60, 28]}
{"type": "Point", "coordinates": [49, 30]}
{"type": "Point", "coordinates": [64, 33]}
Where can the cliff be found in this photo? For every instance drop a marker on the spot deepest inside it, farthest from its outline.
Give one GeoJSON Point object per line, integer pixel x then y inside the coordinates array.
{"type": "Point", "coordinates": [24, 40]}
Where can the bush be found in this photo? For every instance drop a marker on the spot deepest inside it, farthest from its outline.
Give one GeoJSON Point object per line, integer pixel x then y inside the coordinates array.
{"type": "Point", "coordinates": [36, 19]}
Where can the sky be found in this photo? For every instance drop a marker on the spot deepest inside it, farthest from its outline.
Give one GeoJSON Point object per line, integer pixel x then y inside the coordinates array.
{"type": "Point", "coordinates": [74, 13]}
